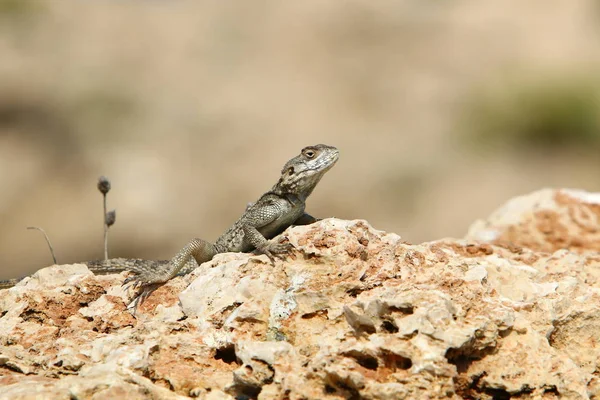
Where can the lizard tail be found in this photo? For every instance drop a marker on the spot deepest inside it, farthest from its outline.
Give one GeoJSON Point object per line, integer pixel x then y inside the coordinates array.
{"type": "Point", "coordinates": [8, 283]}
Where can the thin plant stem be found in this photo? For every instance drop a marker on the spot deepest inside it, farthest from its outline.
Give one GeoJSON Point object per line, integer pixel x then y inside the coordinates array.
{"type": "Point", "coordinates": [105, 230]}
{"type": "Point", "coordinates": [47, 241]}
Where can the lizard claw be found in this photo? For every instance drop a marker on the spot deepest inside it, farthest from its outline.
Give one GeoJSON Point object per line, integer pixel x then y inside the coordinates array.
{"type": "Point", "coordinates": [140, 298]}
{"type": "Point", "coordinates": [134, 282]}
{"type": "Point", "coordinates": [276, 250]}
{"type": "Point", "coordinates": [130, 282]}
{"type": "Point", "coordinates": [139, 281]}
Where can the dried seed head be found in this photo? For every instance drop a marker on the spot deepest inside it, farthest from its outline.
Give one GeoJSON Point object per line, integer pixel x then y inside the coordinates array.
{"type": "Point", "coordinates": [111, 217]}
{"type": "Point", "coordinates": [103, 185]}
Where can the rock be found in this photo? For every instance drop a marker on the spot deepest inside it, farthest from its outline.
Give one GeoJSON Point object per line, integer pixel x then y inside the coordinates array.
{"type": "Point", "coordinates": [99, 382]}
{"type": "Point", "coordinates": [547, 220]}
{"type": "Point", "coordinates": [352, 313]}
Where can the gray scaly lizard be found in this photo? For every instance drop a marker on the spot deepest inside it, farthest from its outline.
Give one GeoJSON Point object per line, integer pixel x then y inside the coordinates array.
{"type": "Point", "coordinates": [270, 215]}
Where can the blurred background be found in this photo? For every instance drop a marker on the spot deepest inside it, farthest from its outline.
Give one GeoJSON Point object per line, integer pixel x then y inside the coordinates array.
{"type": "Point", "coordinates": [442, 111]}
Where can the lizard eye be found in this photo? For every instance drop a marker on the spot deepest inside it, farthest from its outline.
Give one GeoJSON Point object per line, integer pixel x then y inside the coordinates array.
{"type": "Point", "coordinates": [309, 153]}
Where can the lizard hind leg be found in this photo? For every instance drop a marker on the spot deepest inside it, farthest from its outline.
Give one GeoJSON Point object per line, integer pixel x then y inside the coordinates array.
{"type": "Point", "coordinates": [146, 278]}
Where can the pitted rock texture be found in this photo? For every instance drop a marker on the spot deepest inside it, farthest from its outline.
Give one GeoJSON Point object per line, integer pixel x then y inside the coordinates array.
{"type": "Point", "coordinates": [352, 313]}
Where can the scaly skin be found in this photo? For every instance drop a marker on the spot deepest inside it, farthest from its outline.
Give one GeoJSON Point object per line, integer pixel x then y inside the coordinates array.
{"type": "Point", "coordinates": [270, 215]}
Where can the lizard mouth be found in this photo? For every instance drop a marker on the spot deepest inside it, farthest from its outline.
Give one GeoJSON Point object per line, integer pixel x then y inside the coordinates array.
{"type": "Point", "coordinates": [328, 162]}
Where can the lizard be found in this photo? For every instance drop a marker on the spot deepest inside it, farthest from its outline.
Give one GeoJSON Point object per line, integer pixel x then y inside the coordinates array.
{"type": "Point", "coordinates": [277, 209]}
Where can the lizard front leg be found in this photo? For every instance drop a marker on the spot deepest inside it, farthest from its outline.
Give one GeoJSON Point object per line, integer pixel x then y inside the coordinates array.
{"type": "Point", "coordinates": [261, 217]}
{"type": "Point", "coordinates": [264, 246]}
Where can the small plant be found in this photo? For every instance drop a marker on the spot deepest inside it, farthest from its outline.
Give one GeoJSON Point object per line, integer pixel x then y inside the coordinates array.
{"type": "Point", "coordinates": [110, 216]}
{"type": "Point", "coordinates": [550, 115]}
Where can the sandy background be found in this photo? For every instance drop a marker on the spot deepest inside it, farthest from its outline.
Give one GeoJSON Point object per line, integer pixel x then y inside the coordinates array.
{"type": "Point", "coordinates": [192, 108]}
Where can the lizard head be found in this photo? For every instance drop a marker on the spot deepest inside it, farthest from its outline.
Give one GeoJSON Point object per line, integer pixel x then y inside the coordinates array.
{"type": "Point", "coordinates": [301, 174]}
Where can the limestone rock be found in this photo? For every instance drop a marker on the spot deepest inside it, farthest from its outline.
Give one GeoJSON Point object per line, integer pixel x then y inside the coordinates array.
{"type": "Point", "coordinates": [546, 220]}
{"type": "Point", "coordinates": [352, 313]}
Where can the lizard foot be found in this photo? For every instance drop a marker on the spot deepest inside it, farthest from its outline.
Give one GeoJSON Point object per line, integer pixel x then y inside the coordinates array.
{"type": "Point", "coordinates": [275, 250]}
{"type": "Point", "coordinates": [147, 284]}
{"type": "Point", "coordinates": [140, 298]}
{"type": "Point", "coordinates": [142, 279]}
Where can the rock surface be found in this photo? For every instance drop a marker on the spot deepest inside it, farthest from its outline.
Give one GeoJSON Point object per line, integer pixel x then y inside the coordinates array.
{"type": "Point", "coordinates": [512, 311]}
